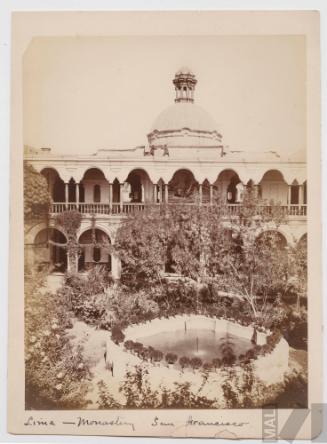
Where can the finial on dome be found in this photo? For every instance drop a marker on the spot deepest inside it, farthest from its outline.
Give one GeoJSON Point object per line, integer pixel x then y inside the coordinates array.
{"type": "Point", "coordinates": [184, 82]}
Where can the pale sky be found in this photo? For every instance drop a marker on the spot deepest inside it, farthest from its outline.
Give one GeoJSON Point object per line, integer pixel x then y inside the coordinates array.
{"type": "Point", "coordinates": [84, 94]}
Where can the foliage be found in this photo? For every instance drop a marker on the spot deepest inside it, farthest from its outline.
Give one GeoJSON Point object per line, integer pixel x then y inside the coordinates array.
{"type": "Point", "coordinates": [117, 335]}
{"type": "Point", "coordinates": [184, 362]}
{"type": "Point", "coordinates": [56, 376]}
{"type": "Point", "coordinates": [171, 358]}
{"type": "Point", "coordinates": [70, 221]}
{"type": "Point", "coordinates": [37, 199]}
{"type": "Point", "coordinates": [106, 401]}
{"type": "Point", "coordinates": [216, 252]}
{"type": "Point", "coordinates": [138, 393]}
{"type": "Point", "coordinates": [196, 363]}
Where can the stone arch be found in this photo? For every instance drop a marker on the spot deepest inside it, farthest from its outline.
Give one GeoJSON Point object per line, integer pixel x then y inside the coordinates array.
{"type": "Point", "coordinates": [95, 248]}
{"type": "Point", "coordinates": [49, 249]}
{"type": "Point", "coordinates": [273, 187]}
{"type": "Point", "coordinates": [229, 187]}
{"type": "Point", "coordinates": [183, 187]}
{"type": "Point", "coordinates": [56, 185]}
{"type": "Point", "coordinates": [282, 242]}
{"type": "Point", "coordinates": [140, 187]}
{"type": "Point", "coordinates": [94, 186]}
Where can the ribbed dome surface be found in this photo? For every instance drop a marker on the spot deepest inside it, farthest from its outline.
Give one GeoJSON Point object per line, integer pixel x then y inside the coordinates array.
{"type": "Point", "coordinates": [184, 115]}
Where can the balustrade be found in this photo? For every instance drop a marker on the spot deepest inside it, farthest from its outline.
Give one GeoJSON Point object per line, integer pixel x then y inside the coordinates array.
{"type": "Point", "coordinates": [128, 208]}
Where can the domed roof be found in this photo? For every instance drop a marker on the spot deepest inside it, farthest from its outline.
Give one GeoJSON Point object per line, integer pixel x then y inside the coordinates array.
{"type": "Point", "coordinates": [184, 115]}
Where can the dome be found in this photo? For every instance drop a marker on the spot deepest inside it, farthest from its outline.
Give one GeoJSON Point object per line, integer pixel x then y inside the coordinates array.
{"type": "Point", "coordinates": [184, 115]}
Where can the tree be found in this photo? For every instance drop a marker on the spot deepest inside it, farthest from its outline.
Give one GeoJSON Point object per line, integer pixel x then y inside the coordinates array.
{"type": "Point", "coordinates": [37, 199]}
{"type": "Point", "coordinates": [236, 255]}
{"type": "Point", "coordinates": [171, 358]}
{"type": "Point", "coordinates": [196, 363]}
{"type": "Point", "coordinates": [184, 361]}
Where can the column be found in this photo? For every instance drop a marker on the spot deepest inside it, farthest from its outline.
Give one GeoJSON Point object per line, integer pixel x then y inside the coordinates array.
{"type": "Point", "coordinates": [121, 197]}
{"type": "Point", "coordinates": [115, 267]}
{"type": "Point", "coordinates": [155, 193]}
{"type": "Point", "coordinates": [66, 194]}
{"type": "Point", "coordinates": [301, 200]}
{"type": "Point", "coordinates": [200, 193]}
{"type": "Point", "coordinates": [77, 194]}
{"type": "Point", "coordinates": [289, 194]}
{"type": "Point", "coordinates": [211, 194]}
{"type": "Point", "coordinates": [110, 197]}
{"type": "Point", "coordinates": [166, 193]}
{"type": "Point", "coordinates": [256, 191]}
{"type": "Point", "coordinates": [159, 192]}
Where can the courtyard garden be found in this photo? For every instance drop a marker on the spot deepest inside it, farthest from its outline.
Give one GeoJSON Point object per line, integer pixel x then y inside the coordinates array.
{"type": "Point", "coordinates": [210, 312]}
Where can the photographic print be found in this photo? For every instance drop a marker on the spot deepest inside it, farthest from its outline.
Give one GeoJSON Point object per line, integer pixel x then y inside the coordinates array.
{"type": "Point", "coordinates": [166, 200]}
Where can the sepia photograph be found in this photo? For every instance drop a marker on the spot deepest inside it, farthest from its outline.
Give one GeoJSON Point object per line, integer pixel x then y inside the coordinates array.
{"type": "Point", "coordinates": [171, 274]}
{"type": "Point", "coordinates": [166, 200]}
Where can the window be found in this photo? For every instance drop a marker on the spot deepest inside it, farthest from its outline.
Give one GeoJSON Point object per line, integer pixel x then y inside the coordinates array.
{"type": "Point", "coordinates": [97, 193]}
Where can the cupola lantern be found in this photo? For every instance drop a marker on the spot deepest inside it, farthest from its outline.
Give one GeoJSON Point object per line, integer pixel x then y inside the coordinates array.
{"type": "Point", "coordinates": [184, 82]}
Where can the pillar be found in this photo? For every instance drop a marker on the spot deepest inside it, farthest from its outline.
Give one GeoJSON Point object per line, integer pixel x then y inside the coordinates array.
{"type": "Point", "coordinates": [256, 191]}
{"type": "Point", "coordinates": [166, 193]}
{"type": "Point", "coordinates": [115, 267]}
{"type": "Point", "coordinates": [289, 194]}
{"type": "Point", "coordinates": [110, 197]}
{"type": "Point", "coordinates": [77, 194]}
{"type": "Point", "coordinates": [160, 193]}
{"type": "Point", "coordinates": [301, 195]}
{"type": "Point", "coordinates": [155, 193]}
{"type": "Point", "coordinates": [72, 264]}
{"type": "Point", "coordinates": [66, 194]}
{"type": "Point", "coordinates": [121, 197]}
{"type": "Point", "coordinates": [211, 193]}
{"type": "Point", "coordinates": [200, 194]}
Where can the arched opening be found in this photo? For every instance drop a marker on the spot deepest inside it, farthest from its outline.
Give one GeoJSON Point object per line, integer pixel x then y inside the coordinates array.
{"type": "Point", "coordinates": [72, 190]}
{"type": "Point", "coordinates": [273, 188]}
{"type": "Point", "coordinates": [139, 187]}
{"type": "Point", "coordinates": [96, 193]}
{"type": "Point", "coordinates": [272, 239]}
{"type": "Point", "coordinates": [56, 185]}
{"type": "Point", "coordinates": [49, 250]}
{"type": "Point", "coordinates": [116, 191]}
{"type": "Point", "coordinates": [229, 187]}
{"type": "Point", "coordinates": [81, 193]}
{"type": "Point", "coordinates": [183, 187]}
{"type": "Point", "coordinates": [95, 249]}
{"type": "Point", "coordinates": [295, 193]}
{"type": "Point", "coordinates": [95, 187]}
{"type": "Point", "coordinates": [303, 242]}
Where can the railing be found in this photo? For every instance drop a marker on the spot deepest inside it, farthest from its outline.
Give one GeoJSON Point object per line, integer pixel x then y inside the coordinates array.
{"type": "Point", "coordinates": [127, 208]}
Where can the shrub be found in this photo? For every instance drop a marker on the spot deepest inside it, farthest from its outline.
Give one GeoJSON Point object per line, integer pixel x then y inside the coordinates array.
{"type": "Point", "coordinates": [196, 363]}
{"type": "Point", "coordinates": [129, 345]}
{"type": "Point", "coordinates": [157, 355]}
{"type": "Point", "coordinates": [184, 361]}
{"type": "Point", "coordinates": [171, 358]}
{"type": "Point", "coordinates": [117, 335]}
{"type": "Point", "coordinates": [216, 362]}
{"type": "Point", "coordinates": [207, 366]}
